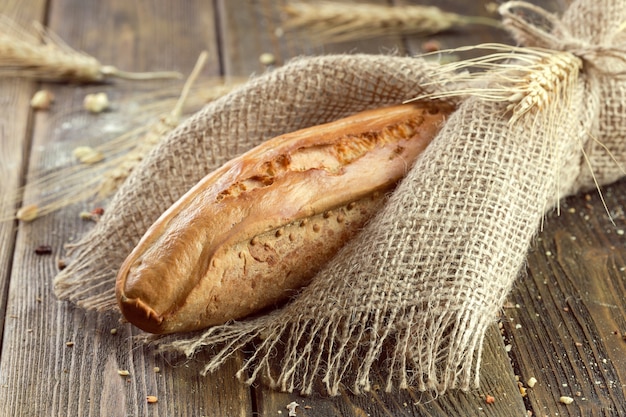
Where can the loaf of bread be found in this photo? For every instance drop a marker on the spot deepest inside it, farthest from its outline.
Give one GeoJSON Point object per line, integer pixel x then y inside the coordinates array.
{"type": "Point", "coordinates": [253, 232]}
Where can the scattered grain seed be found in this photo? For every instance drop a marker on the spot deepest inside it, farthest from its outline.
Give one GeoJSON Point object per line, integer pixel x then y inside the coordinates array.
{"type": "Point", "coordinates": [267, 59]}
{"type": "Point", "coordinates": [279, 232]}
{"type": "Point", "coordinates": [114, 331]}
{"type": "Point", "coordinates": [96, 103]}
{"type": "Point", "coordinates": [69, 344]}
{"type": "Point", "coordinates": [85, 215]}
{"type": "Point", "coordinates": [123, 372]}
{"type": "Point", "coordinates": [492, 7]}
{"type": "Point", "coordinates": [151, 399]}
{"type": "Point", "coordinates": [566, 400]}
{"type": "Point", "coordinates": [531, 382]}
{"type": "Point", "coordinates": [620, 232]}
{"type": "Point", "coordinates": [316, 227]}
{"type": "Point", "coordinates": [43, 250]}
{"type": "Point", "coordinates": [156, 369]}
{"type": "Point", "coordinates": [28, 213]}
{"type": "Point", "coordinates": [87, 155]}
{"type": "Point", "coordinates": [42, 100]}
{"type": "Point", "coordinates": [518, 326]}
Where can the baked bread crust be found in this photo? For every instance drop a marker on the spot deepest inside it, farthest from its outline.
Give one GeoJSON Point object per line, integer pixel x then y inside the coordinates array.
{"type": "Point", "coordinates": [253, 232]}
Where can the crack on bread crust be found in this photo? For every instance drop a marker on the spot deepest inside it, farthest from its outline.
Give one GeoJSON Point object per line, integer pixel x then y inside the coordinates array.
{"type": "Point", "coordinates": [330, 157]}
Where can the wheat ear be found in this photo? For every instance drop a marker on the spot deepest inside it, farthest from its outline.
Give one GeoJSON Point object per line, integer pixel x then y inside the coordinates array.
{"type": "Point", "coordinates": [113, 178]}
{"type": "Point", "coordinates": [43, 55]}
{"type": "Point", "coordinates": [526, 78]}
{"type": "Point", "coordinates": [77, 183]}
{"type": "Point", "coordinates": [338, 22]}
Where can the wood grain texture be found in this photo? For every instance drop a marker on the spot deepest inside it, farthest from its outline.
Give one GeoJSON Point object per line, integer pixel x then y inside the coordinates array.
{"type": "Point", "coordinates": [14, 145]}
{"type": "Point", "coordinates": [564, 324]}
{"type": "Point", "coordinates": [567, 319]}
{"type": "Point", "coordinates": [251, 28]}
{"type": "Point", "coordinates": [57, 359]}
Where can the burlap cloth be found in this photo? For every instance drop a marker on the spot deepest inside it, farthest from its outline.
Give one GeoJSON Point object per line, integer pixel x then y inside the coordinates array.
{"type": "Point", "coordinates": [415, 292]}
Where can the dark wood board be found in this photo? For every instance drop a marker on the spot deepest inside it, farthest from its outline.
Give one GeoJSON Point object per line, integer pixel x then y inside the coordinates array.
{"type": "Point", "coordinates": [564, 323]}
{"type": "Point", "coordinates": [58, 359]}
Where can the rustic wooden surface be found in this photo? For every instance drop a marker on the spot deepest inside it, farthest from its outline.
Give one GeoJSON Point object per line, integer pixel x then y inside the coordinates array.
{"type": "Point", "coordinates": [563, 325]}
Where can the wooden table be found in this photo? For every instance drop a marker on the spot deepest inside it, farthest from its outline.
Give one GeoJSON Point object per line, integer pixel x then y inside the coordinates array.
{"type": "Point", "coordinates": [564, 324]}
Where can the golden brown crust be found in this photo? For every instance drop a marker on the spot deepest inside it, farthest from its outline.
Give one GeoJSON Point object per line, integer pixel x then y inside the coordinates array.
{"type": "Point", "coordinates": [251, 233]}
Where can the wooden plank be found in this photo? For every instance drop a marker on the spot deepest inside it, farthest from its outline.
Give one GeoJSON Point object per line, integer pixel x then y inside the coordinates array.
{"type": "Point", "coordinates": [250, 31]}
{"type": "Point", "coordinates": [14, 146]}
{"type": "Point", "coordinates": [567, 318]}
{"type": "Point", "coordinates": [474, 34]}
{"type": "Point", "coordinates": [61, 360]}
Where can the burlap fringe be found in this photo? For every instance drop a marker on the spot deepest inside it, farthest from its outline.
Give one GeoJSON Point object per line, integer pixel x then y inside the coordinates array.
{"type": "Point", "coordinates": [426, 327]}
{"type": "Point", "coordinates": [346, 347]}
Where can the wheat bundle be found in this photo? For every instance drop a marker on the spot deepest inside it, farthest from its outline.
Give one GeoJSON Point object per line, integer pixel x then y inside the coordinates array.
{"type": "Point", "coordinates": [150, 121]}
{"type": "Point", "coordinates": [414, 292]}
{"type": "Point", "coordinates": [45, 56]}
{"type": "Point", "coordinates": [337, 22]}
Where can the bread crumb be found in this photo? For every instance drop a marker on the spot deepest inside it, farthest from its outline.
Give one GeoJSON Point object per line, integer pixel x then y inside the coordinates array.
{"type": "Point", "coordinates": [87, 155]}
{"type": "Point", "coordinates": [489, 399]}
{"type": "Point", "coordinates": [531, 382]}
{"type": "Point", "coordinates": [123, 372]}
{"type": "Point", "coordinates": [292, 408]}
{"type": "Point", "coordinates": [28, 213]}
{"type": "Point", "coordinates": [566, 400]}
{"type": "Point", "coordinates": [156, 369]}
{"type": "Point", "coordinates": [151, 399]}
{"type": "Point", "coordinates": [69, 344]}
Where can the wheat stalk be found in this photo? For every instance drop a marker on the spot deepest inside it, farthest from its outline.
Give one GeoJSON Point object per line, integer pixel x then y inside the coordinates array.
{"type": "Point", "coordinates": [526, 78]}
{"type": "Point", "coordinates": [77, 183]}
{"type": "Point", "coordinates": [338, 22]}
{"type": "Point", "coordinates": [536, 84]}
{"type": "Point", "coordinates": [113, 178]}
{"type": "Point", "coordinates": [43, 55]}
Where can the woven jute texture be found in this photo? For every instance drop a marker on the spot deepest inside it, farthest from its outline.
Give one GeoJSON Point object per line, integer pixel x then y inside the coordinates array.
{"type": "Point", "coordinates": [411, 296]}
